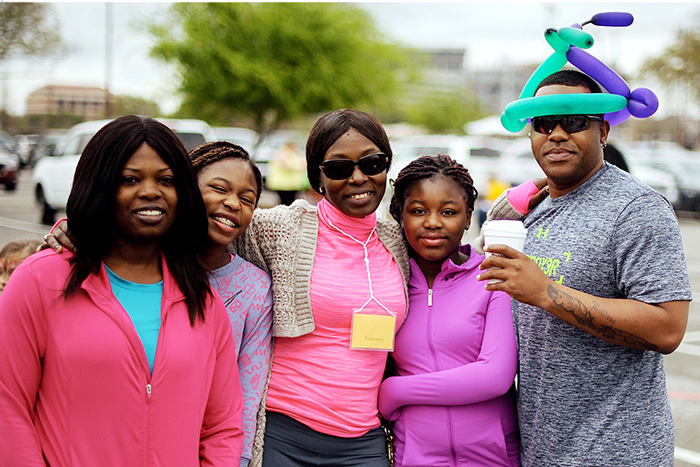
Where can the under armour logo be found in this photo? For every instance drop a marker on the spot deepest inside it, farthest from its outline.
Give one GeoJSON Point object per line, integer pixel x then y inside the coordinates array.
{"type": "Point", "coordinates": [542, 233]}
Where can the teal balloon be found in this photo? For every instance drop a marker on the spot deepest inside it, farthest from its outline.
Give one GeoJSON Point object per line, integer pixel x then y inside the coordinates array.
{"type": "Point", "coordinates": [577, 37]}
{"type": "Point", "coordinates": [552, 64]}
{"type": "Point", "coordinates": [516, 114]}
{"type": "Point", "coordinates": [556, 42]}
{"type": "Point", "coordinates": [511, 124]}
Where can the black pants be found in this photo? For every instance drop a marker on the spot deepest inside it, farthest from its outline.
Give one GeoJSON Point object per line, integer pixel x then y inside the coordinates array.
{"type": "Point", "coordinates": [289, 443]}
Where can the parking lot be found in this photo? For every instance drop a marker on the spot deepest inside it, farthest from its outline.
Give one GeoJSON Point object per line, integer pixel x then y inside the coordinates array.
{"type": "Point", "coordinates": [20, 216]}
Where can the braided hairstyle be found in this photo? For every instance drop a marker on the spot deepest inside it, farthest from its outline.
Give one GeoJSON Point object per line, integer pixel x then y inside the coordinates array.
{"type": "Point", "coordinates": [208, 153]}
{"type": "Point", "coordinates": [428, 167]}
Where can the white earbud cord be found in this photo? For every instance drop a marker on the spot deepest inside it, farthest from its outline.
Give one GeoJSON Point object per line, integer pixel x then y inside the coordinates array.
{"type": "Point", "coordinates": [369, 276]}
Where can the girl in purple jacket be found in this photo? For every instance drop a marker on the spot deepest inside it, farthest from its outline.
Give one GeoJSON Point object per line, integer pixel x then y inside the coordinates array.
{"type": "Point", "coordinates": [452, 402]}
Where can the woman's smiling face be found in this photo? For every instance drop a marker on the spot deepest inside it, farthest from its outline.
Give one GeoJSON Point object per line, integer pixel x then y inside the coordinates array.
{"type": "Point", "coordinates": [360, 194]}
{"type": "Point", "coordinates": [146, 201]}
{"type": "Point", "coordinates": [229, 190]}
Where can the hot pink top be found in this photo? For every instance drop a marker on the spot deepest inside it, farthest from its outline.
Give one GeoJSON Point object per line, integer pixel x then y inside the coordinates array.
{"type": "Point", "coordinates": [519, 197]}
{"type": "Point", "coordinates": [316, 378]}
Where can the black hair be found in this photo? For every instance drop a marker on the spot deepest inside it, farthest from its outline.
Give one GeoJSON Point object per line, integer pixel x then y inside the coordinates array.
{"type": "Point", "coordinates": [427, 167]}
{"type": "Point", "coordinates": [208, 153]}
{"type": "Point", "coordinates": [332, 126]}
{"type": "Point", "coordinates": [570, 78]}
{"type": "Point", "coordinates": [91, 204]}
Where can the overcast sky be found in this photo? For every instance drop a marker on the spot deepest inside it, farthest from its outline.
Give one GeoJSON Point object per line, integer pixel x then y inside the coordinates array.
{"type": "Point", "coordinates": [494, 35]}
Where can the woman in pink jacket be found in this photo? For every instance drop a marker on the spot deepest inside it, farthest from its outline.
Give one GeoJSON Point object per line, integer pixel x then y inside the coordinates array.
{"type": "Point", "coordinates": [120, 355]}
{"type": "Point", "coordinates": [452, 402]}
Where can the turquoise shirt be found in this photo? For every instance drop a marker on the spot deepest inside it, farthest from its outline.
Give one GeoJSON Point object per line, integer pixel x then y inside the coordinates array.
{"type": "Point", "coordinates": [142, 303]}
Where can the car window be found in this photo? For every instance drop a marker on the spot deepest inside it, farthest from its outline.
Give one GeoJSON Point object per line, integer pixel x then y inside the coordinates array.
{"type": "Point", "coordinates": [432, 150]}
{"type": "Point", "coordinates": [484, 152]}
{"type": "Point", "coordinates": [73, 145]}
{"type": "Point", "coordinates": [692, 168]}
{"type": "Point", "coordinates": [84, 140]}
{"type": "Point", "coordinates": [191, 140]}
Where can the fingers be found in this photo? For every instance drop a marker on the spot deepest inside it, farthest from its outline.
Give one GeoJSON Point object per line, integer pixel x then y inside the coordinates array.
{"type": "Point", "coordinates": [501, 250]}
{"type": "Point", "coordinates": [540, 182]}
{"type": "Point", "coordinates": [50, 242]}
{"type": "Point", "coordinates": [60, 239]}
{"type": "Point", "coordinates": [43, 246]}
{"type": "Point", "coordinates": [539, 196]}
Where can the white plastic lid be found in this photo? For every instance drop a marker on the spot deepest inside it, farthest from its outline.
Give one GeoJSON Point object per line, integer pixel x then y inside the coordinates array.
{"type": "Point", "coordinates": [504, 226]}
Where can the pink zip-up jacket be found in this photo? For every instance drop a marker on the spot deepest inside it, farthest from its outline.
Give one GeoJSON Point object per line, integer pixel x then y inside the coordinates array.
{"type": "Point", "coordinates": [453, 403]}
{"type": "Point", "coordinates": [75, 384]}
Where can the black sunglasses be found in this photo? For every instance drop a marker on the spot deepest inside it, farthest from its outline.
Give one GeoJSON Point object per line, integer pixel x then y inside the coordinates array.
{"type": "Point", "coordinates": [340, 169]}
{"type": "Point", "coordinates": [569, 123]}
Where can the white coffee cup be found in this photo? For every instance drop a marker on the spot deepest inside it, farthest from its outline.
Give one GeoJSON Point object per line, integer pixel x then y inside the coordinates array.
{"type": "Point", "coordinates": [504, 232]}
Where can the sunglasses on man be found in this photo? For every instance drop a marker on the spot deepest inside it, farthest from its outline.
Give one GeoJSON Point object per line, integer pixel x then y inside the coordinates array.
{"type": "Point", "coordinates": [569, 123]}
{"type": "Point", "coordinates": [340, 169]}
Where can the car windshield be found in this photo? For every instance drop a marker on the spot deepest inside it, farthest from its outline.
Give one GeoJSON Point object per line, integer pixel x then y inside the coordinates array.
{"type": "Point", "coordinates": [692, 168]}
{"type": "Point", "coordinates": [191, 140]}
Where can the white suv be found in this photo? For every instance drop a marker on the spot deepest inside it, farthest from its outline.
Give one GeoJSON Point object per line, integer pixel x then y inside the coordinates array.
{"type": "Point", "coordinates": [53, 174]}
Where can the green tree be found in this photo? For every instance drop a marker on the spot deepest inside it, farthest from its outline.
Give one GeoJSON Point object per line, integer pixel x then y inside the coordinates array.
{"type": "Point", "coordinates": [274, 62]}
{"type": "Point", "coordinates": [679, 64]}
{"type": "Point", "coordinates": [26, 29]}
{"type": "Point", "coordinates": [124, 105]}
{"type": "Point", "coordinates": [444, 112]}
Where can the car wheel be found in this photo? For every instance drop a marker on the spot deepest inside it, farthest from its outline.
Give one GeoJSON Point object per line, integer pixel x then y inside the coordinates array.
{"type": "Point", "coordinates": [48, 214]}
{"type": "Point", "coordinates": [11, 186]}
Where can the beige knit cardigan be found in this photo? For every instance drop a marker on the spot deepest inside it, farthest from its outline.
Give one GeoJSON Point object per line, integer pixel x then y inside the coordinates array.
{"type": "Point", "coordinates": [282, 241]}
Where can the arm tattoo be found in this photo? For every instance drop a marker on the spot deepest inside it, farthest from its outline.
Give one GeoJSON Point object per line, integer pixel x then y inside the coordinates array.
{"type": "Point", "coordinates": [586, 317]}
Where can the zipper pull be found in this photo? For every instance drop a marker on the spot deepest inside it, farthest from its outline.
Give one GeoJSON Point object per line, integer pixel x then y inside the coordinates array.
{"type": "Point", "coordinates": [430, 297]}
{"type": "Point", "coordinates": [148, 393]}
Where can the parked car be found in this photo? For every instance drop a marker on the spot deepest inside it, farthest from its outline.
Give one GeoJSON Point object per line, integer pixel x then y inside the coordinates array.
{"type": "Point", "coordinates": [517, 165]}
{"type": "Point", "coordinates": [25, 148]}
{"type": "Point", "coordinates": [687, 172]}
{"type": "Point", "coordinates": [48, 142]}
{"type": "Point", "coordinates": [477, 153]}
{"type": "Point", "coordinates": [681, 164]}
{"type": "Point", "coordinates": [53, 174]}
{"type": "Point", "coordinates": [9, 165]}
{"type": "Point", "coordinates": [8, 142]}
{"type": "Point", "coordinates": [244, 137]}
{"type": "Point", "coordinates": [265, 152]}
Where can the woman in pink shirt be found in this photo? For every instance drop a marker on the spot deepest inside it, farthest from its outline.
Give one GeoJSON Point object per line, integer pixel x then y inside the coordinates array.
{"type": "Point", "coordinates": [339, 279]}
{"type": "Point", "coordinates": [120, 354]}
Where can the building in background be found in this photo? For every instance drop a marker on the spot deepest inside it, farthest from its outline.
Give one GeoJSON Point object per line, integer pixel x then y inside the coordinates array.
{"type": "Point", "coordinates": [497, 87]}
{"type": "Point", "coordinates": [89, 102]}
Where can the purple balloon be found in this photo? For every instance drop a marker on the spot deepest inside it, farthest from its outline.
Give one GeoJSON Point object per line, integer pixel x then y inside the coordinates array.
{"type": "Point", "coordinates": [618, 117]}
{"type": "Point", "coordinates": [612, 19]}
{"type": "Point", "coordinates": [598, 70]}
{"type": "Point", "coordinates": [642, 103]}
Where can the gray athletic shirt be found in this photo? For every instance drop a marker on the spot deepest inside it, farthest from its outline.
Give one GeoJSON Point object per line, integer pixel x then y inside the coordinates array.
{"type": "Point", "coordinates": [583, 401]}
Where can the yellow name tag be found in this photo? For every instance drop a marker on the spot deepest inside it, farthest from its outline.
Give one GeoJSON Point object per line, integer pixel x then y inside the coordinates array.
{"type": "Point", "coordinates": [372, 332]}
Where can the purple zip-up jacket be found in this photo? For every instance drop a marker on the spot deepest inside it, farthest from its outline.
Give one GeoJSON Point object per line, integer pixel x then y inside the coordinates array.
{"type": "Point", "coordinates": [453, 403]}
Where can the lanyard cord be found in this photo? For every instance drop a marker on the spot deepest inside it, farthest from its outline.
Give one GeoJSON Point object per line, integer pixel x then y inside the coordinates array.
{"type": "Point", "coordinates": [369, 276]}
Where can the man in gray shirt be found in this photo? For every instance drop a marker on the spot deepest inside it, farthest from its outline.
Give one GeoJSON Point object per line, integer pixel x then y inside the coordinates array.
{"type": "Point", "coordinates": [602, 292]}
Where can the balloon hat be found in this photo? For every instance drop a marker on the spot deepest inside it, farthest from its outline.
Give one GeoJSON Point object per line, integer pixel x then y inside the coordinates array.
{"type": "Point", "coordinates": [568, 44]}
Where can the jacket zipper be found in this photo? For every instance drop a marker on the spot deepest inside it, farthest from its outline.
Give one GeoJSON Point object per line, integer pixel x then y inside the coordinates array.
{"type": "Point", "coordinates": [149, 390]}
{"type": "Point", "coordinates": [448, 410]}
